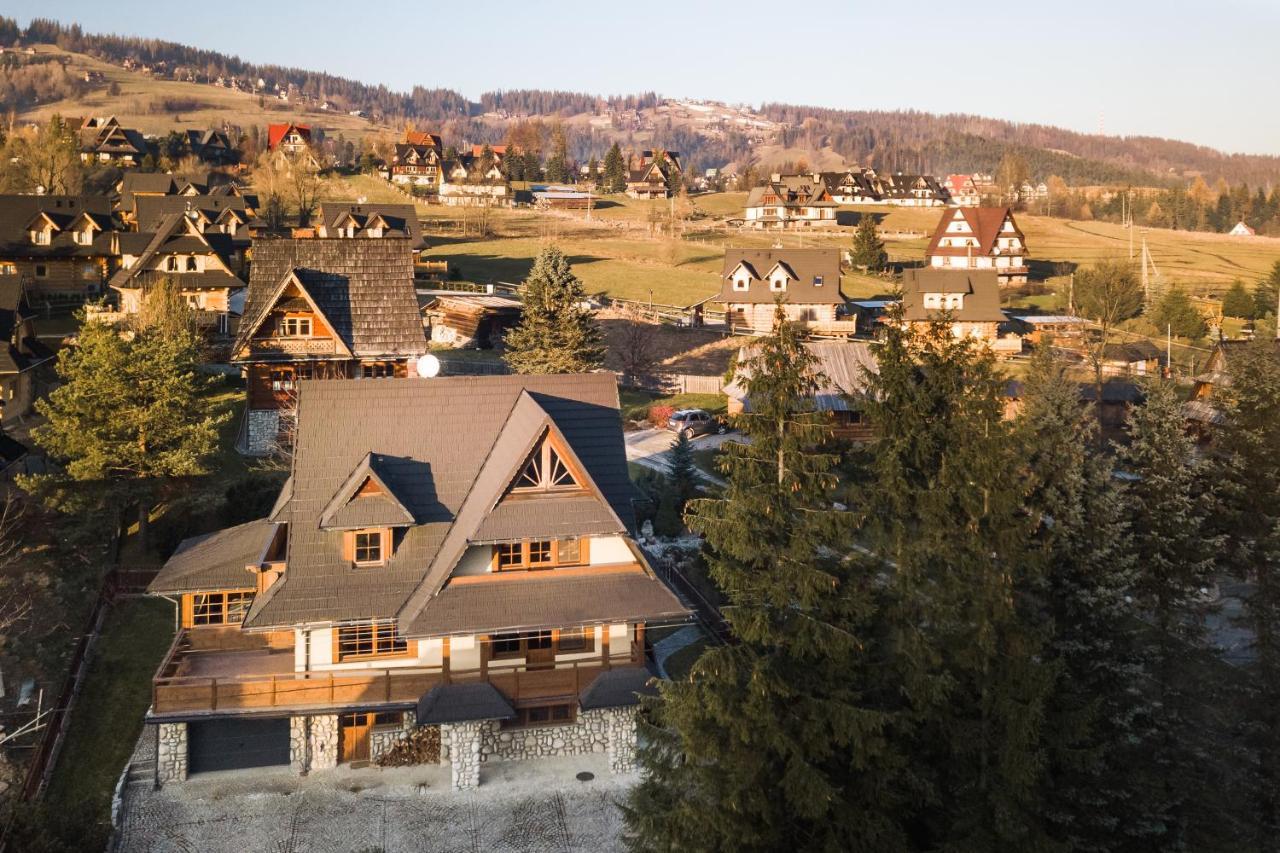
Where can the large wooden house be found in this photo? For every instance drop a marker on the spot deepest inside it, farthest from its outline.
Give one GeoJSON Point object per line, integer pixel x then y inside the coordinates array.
{"type": "Point", "coordinates": [450, 559]}
{"type": "Point", "coordinates": [913, 190]}
{"type": "Point", "coordinates": [61, 246]}
{"type": "Point", "coordinates": [417, 165]}
{"type": "Point", "coordinates": [791, 201]}
{"type": "Point", "coordinates": [104, 140]}
{"type": "Point", "coordinates": [968, 300]}
{"type": "Point", "coordinates": [205, 265]}
{"type": "Point", "coordinates": [292, 141]}
{"type": "Point", "coordinates": [323, 309]}
{"type": "Point", "coordinates": [980, 238]}
{"type": "Point", "coordinates": [1203, 410]}
{"type": "Point", "coordinates": [807, 281]}
{"type": "Point", "coordinates": [652, 175]}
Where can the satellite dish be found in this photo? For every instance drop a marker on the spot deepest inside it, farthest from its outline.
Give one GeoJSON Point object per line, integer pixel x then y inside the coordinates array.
{"type": "Point", "coordinates": [428, 365]}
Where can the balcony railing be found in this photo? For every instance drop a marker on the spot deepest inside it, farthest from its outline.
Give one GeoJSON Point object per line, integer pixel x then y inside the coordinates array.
{"type": "Point", "coordinates": [292, 346]}
{"type": "Point", "coordinates": [174, 694]}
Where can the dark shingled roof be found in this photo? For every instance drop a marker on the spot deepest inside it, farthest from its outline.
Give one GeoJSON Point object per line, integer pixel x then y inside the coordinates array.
{"type": "Point", "coordinates": [551, 600]}
{"type": "Point", "coordinates": [348, 510]}
{"type": "Point", "coordinates": [806, 265]}
{"type": "Point", "coordinates": [364, 288]}
{"type": "Point", "coordinates": [174, 234]}
{"type": "Point", "coordinates": [460, 703]}
{"type": "Point", "coordinates": [153, 209]}
{"type": "Point", "coordinates": [434, 441]}
{"type": "Point", "coordinates": [981, 289]}
{"type": "Point", "coordinates": [17, 355]}
{"type": "Point", "coordinates": [401, 219]}
{"type": "Point", "coordinates": [17, 212]}
{"type": "Point", "coordinates": [985, 223]}
{"type": "Point", "coordinates": [1131, 351]}
{"type": "Point", "coordinates": [215, 560]}
{"type": "Point", "coordinates": [618, 688]}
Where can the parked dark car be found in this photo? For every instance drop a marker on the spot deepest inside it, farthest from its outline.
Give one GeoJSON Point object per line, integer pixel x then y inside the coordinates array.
{"type": "Point", "coordinates": [693, 422]}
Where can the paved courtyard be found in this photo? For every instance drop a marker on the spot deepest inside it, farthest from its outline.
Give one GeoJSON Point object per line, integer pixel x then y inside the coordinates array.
{"type": "Point", "coordinates": [526, 806]}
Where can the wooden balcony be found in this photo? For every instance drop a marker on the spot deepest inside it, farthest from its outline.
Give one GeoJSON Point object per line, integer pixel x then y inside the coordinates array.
{"type": "Point", "coordinates": [292, 346]}
{"type": "Point", "coordinates": [202, 681]}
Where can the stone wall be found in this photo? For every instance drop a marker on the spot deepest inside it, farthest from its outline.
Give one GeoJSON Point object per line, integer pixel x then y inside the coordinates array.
{"type": "Point", "coordinates": [607, 730]}
{"type": "Point", "coordinates": [262, 432]}
{"type": "Point", "coordinates": [382, 738]}
{"type": "Point", "coordinates": [171, 752]}
{"type": "Point", "coordinates": [313, 743]}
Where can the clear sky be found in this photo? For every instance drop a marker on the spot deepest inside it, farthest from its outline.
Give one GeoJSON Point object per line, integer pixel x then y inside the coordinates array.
{"type": "Point", "coordinates": [1201, 71]}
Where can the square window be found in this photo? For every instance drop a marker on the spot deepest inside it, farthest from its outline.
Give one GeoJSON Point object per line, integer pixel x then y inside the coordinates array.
{"type": "Point", "coordinates": [540, 553]}
{"type": "Point", "coordinates": [368, 547]}
{"type": "Point", "coordinates": [506, 645]}
{"type": "Point", "coordinates": [568, 552]}
{"type": "Point", "coordinates": [539, 640]}
{"type": "Point", "coordinates": [42, 271]}
{"type": "Point", "coordinates": [509, 556]}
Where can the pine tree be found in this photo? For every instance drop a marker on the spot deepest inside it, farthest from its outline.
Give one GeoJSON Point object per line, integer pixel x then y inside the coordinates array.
{"type": "Point", "coordinates": [1249, 469]}
{"type": "Point", "coordinates": [1267, 293]}
{"type": "Point", "coordinates": [1096, 800]}
{"type": "Point", "coordinates": [1175, 313]}
{"type": "Point", "coordinates": [593, 173]}
{"type": "Point", "coordinates": [684, 478]}
{"type": "Point", "coordinates": [868, 249]}
{"type": "Point", "coordinates": [771, 744]}
{"type": "Point", "coordinates": [558, 163]}
{"type": "Point", "coordinates": [944, 505]}
{"type": "Point", "coordinates": [1167, 508]}
{"type": "Point", "coordinates": [615, 170]}
{"type": "Point", "coordinates": [1236, 302]}
{"type": "Point", "coordinates": [129, 413]}
{"type": "Point", "coordinates": [556, 332]}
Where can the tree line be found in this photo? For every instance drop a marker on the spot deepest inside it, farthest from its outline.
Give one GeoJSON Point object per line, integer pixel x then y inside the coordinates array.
{"type": "Point", "coordinates": [999, 640]}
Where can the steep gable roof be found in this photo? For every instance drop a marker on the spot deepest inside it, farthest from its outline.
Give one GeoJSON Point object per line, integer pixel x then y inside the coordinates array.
{"type": "Point", "coordinates": [984, 222]}
{"type": "Point", "coordinates": [353, 506]}
{"type": "Point", "coordinates": [401, 218]}
{"type": "Point", "coordinates": [363, 288]}
{"type": "Point", "coordinates": [431, 439]}
{"type": "Point", "coordinates": [18, 211]}
{"type": "Point", "coordinates": [277, 132]}
{"type": "Point", "coordinates": [175, 233]}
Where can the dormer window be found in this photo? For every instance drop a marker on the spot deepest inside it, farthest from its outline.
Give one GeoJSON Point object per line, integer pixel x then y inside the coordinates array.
{"type": "Point", "coordinates": [171, 263]}
{"type": "Point", "coordinates": [538, 554]}
{"type": "Point", "coordinates": [42, 237]}
{"type": "Point", "coordinates": [742, 282]}
{"type": "Point", "coordinates": [778, 284]}
{"type": "Point", "coordinates": [85, 237]}
{"type": "Point", "coordinates": [192, 264]}
{"type": "Point", "coordinates": [545, 470]}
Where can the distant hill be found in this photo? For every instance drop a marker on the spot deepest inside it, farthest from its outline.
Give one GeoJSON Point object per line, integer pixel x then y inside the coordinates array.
{"type": "Point", "coordinates": [706, 135]}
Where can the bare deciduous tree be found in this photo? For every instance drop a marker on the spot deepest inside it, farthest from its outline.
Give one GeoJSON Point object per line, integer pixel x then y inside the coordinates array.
{"type": "Point", "coordinates": [637, 347]}
{"type": "Point", "coordinates": [1107, 293]}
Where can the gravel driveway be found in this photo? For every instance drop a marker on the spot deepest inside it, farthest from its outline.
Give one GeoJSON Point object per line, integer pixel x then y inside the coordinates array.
{"type": "Point", "coordinates": [519, 806]}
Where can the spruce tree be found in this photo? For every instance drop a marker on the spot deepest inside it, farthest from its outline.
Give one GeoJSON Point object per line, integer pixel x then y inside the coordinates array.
{"type": "Point", "coordinates": [1249, 471]}
{"type": "Point", "coordinates": [944, 504]}
{"type": "Point", "coordinates": [615, 170]}
{"type": "Point", "coordinates": [593, 173]}
{"type": "Point", "coordinates": [1236, 302]}
{"type": "Point", "coordinates": [1167, 507]}
{"type": "Point", "coordinates": [557, 169]}
{"type": "Point", "coordinates": [868, 249]}
{"type": "Point", "coordinates": [684, 476]}
{"type": "Point", "coordinates": [771, 743]}
{"type": "Point", "coordinates": [1096, 799]}
{"type": "Point", "coordinates": [556, 332]}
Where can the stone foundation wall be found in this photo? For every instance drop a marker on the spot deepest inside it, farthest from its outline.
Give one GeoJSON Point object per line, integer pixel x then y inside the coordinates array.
{"type": "Point", "coordinates": [171, 752]}
{"type": "Point", "coordinates": [382, 738]}
{"type": "Point", "coordinates": [622, 736]}
{"type": "Point", "coordinates": [464, 741]}
{"type": "Point", "coordinates": [313, 743]}
{"type": "Point", "coordinates": [262, 432]}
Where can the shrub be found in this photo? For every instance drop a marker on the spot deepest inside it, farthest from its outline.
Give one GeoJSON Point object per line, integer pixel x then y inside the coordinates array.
{"type": "Point", "coordinates": [658, 415]}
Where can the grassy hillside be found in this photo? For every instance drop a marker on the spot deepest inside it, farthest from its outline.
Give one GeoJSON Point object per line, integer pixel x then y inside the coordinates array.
{"type": "Point", "coordinates": [141, 103]}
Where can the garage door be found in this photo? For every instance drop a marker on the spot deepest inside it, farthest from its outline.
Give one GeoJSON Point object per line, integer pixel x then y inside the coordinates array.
{"type": "Point", "coordinates": [233, 744]}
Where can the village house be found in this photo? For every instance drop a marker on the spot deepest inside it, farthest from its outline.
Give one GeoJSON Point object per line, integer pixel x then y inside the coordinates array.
{"type": "Point", "coordinates": [211, 146]}
{"type": "Point", "coordinates": [969, 300]}
{"type": "Point", "coordinates": [20, 350]}
{"type": "Point", "coordinates": [59, 245]}
{"type": "Point", "coordinates": [450, 560]}
{"type": "Point", "coordinates": [652, 176]}
{"type": "Point", "coordinates": [791, 201]}
{"type": "Point", "coordinates": [103, 140]}
{"type": "Point", "coordinates": [1202, 411]}
{"type": "Point", "coordinates": [1132, 358]}
{"type": "Point", "coordinates": [913, 190]}
{"type": "Point", "coordinates": [204, 265]}
{"type": "Point", "coordinates": [853, 186]}
{"type": "Point", "coordinates": [469, 319]}
{"type": "Point", "coordinates": [807, 281]}
{"type": "Point", "coordinates": [844, 369]}
{"type": "Point", "coordinates": [1242, 229]}
{"type": "Point", "coordinates": [322, 309]}
{"type": "Point", "coordinates": [222, 214]}
{"type": "Point", "coordinates": [292, 141]}
{"type": "Point", "coordinates": [980, 238]}
{"type": "Point", "coordinates": [135, 186]}
{"type": "Point", "coordinates": [370, 221]}
{"type": "Point", "coordinates": [962, 191]}
{"type": "Point", "coordinates": [471, 166]}
{"type": "Point", "coordinates": [418, 160]}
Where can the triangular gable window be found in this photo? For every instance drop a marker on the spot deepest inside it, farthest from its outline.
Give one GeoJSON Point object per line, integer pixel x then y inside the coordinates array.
{"type": "Point", "coordinates": [545, 470]}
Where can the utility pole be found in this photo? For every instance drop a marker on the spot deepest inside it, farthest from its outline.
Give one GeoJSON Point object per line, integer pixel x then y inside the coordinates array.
{"type": "Point", "coordinates": [1071, 295]}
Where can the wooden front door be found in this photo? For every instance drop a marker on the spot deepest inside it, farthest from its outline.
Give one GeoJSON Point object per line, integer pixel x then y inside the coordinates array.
{"type": "Point", "coordinates": [540, 652]}
{"type": "Point", "coordinates": [353, 737]}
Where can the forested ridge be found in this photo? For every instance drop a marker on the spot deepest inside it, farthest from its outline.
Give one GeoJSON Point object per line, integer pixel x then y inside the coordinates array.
{"type": "Point", "coordinates": [904, 140]}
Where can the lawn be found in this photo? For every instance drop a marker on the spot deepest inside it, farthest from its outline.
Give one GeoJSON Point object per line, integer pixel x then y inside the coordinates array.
{"type": "Point", "coordinates": [636, 403]}
{"type": "Point", "coordinates": [107, 718]}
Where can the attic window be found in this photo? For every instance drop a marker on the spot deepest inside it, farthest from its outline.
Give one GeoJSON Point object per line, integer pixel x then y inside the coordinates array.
{"type": "Point", "coordinates": [545, 471]}
{"type": "Point", "coordinates": [41, 237]}
{"type": "Point", "coordinates": [778, 284]}
{"type": "Point", "coordinates": [817, 281]}
{"type": "Point", "coordinates": [742, 282]}
{"type": "Point", "coordinates": [85, 237]}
